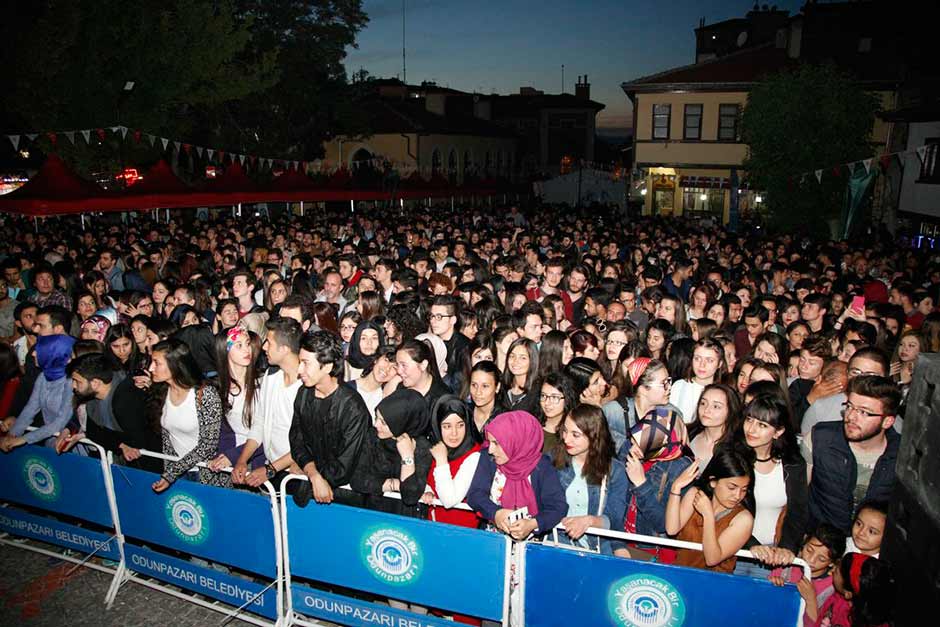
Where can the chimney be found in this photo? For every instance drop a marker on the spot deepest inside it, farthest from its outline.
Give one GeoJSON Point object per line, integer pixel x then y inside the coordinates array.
{"type": "Point", "coordinates": [583, 88]}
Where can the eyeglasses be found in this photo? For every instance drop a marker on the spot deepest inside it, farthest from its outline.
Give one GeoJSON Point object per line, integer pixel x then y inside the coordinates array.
{"type": "Point", "coordinates": [551, 398]}
{"type": "Point", "coordinates": [616, 343]}
{"type": "Point", "coordinates": [848, 408]}
{"type": "Point", "coordinates": [439, 316]}
{"type": "Point", "coordinates": [664, 384]}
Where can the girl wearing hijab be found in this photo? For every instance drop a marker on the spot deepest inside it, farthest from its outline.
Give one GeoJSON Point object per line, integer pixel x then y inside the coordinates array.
{"type": "Point", "coordinates": [658, 453]}
{"type": "Point", "coordinates": [363, 348]}
{"type": "Point", "coordinates": [95, 328]}
{"type": "Point", "coordinates": [517, 477]}
{"type": "Point", "coordinates": [51, 395]}
{"type": "Point", "coordinates": [397, 456]}
{"type": "Point", "coordinates": [456, 455]}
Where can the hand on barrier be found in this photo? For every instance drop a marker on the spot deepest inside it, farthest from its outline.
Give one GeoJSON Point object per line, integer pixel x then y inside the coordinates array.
{"type": "Point", "coordinates": [256, 477]}
{"type": "Point", "coordinates": [322, 492]}
{"type": "Point", "coordinates": [502, 520]}
{"type": "Point", "coordinates": [220, 462]}
{"type": "Point", "coordinates": [773, 556]}
{"type": "Point", "coordinates": [428, 497]}
{"type": "Point", "coordinates": [575, 526]}
{"type": "Point", "coordinates": [160, 486]}
{"type": "Point", "coordinates": [8, 443]}
{"type": "Point", "coordinates": [130, 453]}
{"type": "Point", "coordinates": [66, 440]}
{"type": "Point", "coordinates": [522, 529]}
{"type": "Point", "coordinates": [239, 472]}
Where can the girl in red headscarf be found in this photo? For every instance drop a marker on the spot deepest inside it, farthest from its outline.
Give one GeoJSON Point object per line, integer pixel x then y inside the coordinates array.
{"type": "Point", "coordinates": [516, 475]}
{"type": "Point", "coordinates": [864, 594]}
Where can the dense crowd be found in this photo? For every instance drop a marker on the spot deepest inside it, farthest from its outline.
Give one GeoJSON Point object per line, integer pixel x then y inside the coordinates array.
{"type": "Point", "coordinates": [554, 370]}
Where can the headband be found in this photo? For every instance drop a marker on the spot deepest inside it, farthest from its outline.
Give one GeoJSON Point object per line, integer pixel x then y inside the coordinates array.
{"type": "Point", "coordinates": [855, 570]}
{"type": "Point", "coordinates": [233, 335]}
{"type": "Point", "coordinates": [637, 368]}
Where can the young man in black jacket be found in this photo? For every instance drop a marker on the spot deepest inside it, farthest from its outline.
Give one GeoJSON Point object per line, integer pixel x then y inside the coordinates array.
{"type": "Point", "coordinates": [330, 423]}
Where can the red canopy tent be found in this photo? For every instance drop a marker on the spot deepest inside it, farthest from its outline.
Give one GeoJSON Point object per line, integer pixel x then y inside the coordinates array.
{"type": "Point", "coordinates": [55, 190]}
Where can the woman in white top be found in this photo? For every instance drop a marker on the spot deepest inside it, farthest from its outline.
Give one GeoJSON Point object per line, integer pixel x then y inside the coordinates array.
{"type": "Point", "coordinates": [236, 352]}
{"type": "Point", "coordinates": [192, 414]}
{"type": "Point", "coordinates": [780, 487]}
{"type": "Point", "coordinates": [708, 366]}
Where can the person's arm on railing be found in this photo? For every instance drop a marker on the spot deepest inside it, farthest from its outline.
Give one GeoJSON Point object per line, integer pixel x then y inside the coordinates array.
{"type": "Point", "coordinates": [452, 490]}
{"type": "Point", "coordinates": [56, 414]}
{"type": "Point", "coordinates": [209, 416]}
{"type": "Point", "coordinates": [355, 420]}
{"type": "Point", "coordinates": [478, 497]}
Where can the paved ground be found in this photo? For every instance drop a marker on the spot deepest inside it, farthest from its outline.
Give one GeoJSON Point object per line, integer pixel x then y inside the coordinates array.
{"type": "Point", "coordinates": [36, 590]}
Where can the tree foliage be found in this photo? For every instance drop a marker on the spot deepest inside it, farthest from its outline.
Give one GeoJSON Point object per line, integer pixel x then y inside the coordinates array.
{"type": "Point", "coordinates": [799, 121]}
{"type": "Point", "coordinates": [253, 76]}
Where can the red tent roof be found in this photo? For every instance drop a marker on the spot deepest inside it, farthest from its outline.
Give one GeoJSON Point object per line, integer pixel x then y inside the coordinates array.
{"type": "Point", "coordinates": [160, 179]}
{"type": "Point", "coordinates": [233, 181]}
{"type": "Point", "coordinates": [55, 189]}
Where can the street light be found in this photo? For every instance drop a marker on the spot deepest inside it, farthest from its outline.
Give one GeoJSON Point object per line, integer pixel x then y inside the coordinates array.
{"type": "Point", "coordinates": [758, 198]}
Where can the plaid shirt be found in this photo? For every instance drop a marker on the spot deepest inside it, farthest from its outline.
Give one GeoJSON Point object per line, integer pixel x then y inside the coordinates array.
{"type": "Point", "coordinates": [57, 297]}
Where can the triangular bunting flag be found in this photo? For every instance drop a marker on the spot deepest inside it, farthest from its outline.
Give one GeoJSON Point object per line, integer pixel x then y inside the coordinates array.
{"type": "Point", "coordinates": [886, 162]}
{"type": "Point", "coordinates": [123, 132]}
{"type": "Point", "coordinates": [199, 150]}
{"type": "Point", "coordinates": [210, 152]}
{"type": "Point", "coordinates": [922, 153]}
{"type": "Point", "coordinates": [32, 136]}
{"type": "Point", "coordinates": [70, 135]}
{"type": "Point", "coordinates": [802, 180]}
{"type": "Point", "coordinates": [241, 159]}
{"type": "Point", "coordinates": [137, 135]}
{"type": "Point", "coordinates": [867, 164]}
{"type": "Point", "coordinates": [87, 135]}
{"type": "Point", "coordinates": [221, 156]}
{"type": "Point", "coordinates": [177, 146]}
{"type": "Point", "coordinates": [101, 134]}
{"type": "Point", "coordinates": [52, 138]}
{"type": "Point", "coordinates": [187, 148]}
{"type": "Point", "coordinates": [837, 170]}
{"type": "Point", "coordinates": [165, 142]}
{"type": "Point", "coordinates": [252, 159]}
{"type": "Point", "coordinates": [15, 140]}
{"type": "Point", "coordinates": [115, 129]}
{"type": "Point", "coordinates": [819, 176]}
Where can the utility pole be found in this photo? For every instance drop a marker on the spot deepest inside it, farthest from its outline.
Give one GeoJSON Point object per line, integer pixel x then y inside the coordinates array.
{"type": "Point", "coordinates": [562, 78]}
{"type": "Point", "coordinates": [404, 70]}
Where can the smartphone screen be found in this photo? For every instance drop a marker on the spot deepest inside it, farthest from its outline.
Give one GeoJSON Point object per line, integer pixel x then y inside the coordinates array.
{"type": "Point", "coordinates": [858, 303]}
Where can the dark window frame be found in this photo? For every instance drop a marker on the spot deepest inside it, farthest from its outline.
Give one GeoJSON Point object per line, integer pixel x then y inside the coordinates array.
{"type": "Point", "coordinates": [686, 115]}
{"type": "Point", "coordinates": [735, 128]}
{"type": "Point", "coordinates": [668, 116]}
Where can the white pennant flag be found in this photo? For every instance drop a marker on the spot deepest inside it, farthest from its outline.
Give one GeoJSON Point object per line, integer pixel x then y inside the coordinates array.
{"type": "Point", "coordinates": [71, 136]}
{"type": "Point", "coordinates": [199, 150]}
{"type": "Point", "coordinates": [177, 146]}
{"type": "Point", "coordinates": [32, 136]}
{"type": "Point", "coordinates": [867, 164]}
{"type": "Point", "coordinates": [151, 139]}
{"type": "Point", "coordinates": [87, 135]}
{"type": "Point", "coordinates": [15, 139]}
{"type": "Point", "coordinates": [819, 176]}
{"type": "Point", "coordinates": [123, 132]}
{"type": "Point", "coordinates": [165, 142]}
{"type": "Point", "coordinates": [210, 152]}
{"type": "Point", "coordinates": [922, 153]}
{"type": "Point", "coordinates": [115, 129]}
{"type": "Point", "coordinates": [241, 159]}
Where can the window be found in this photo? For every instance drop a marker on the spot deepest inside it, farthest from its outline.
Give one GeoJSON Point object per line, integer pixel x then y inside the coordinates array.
{"type": "Point", "coordinates": [661, 118]}
{"type": "Point", "coordinates": [698, 201]}
{"type": "Point", "coordinates": [728, 122]}
{"type": "Point", "coordinates": [436, 161]}
{"type": "Point", "coordinates": [693, 122]}
{"type": "Point", "coordinates": [929, 172]}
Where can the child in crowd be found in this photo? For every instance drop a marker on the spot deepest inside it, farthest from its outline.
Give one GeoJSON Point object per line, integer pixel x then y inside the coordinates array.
{"type": "Point", "coordinates": [868, 528]}
{"type": "Point", "coordinates": [821, 551]}
{"type": "Point", "coordinates": [863, 594]}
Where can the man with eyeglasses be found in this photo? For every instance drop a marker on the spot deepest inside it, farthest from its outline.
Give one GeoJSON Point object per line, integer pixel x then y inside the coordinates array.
{"type": "Point", "coordinates": [443, 323]}
{"type": "Point", "coordinates": [854, 461]}
{"type": "Point", "coordinates": [826, 401]}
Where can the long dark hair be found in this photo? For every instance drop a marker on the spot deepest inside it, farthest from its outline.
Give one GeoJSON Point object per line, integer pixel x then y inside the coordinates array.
{"type": "Point", "coordinates": [593, 425]}
{"type": "Point", "coordinates": [728, 461]}
{"type": "Point", "coordinates": [561, 382]}
{"type": "Point", "coordinates": [532, 374]}
{"type": "Point", "coordinates": [734, 419]}
{"type": "Point", "coordinates": [551, 352]}
{"type": "Point", "coordinates": [771, 409]}
{"type": "Point", "coordinates": [116, 332]}
{"type": "Point", "coordinates": [873, 602]}
{"type": "Point", "coordinates": [226, 382]}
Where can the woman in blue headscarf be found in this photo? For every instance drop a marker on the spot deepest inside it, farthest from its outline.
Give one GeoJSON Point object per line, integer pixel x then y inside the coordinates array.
{"type": "Point", "coordinates": [52, 395]}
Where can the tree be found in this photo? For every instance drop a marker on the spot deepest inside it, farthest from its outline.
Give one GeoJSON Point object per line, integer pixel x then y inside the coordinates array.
{"type": "Point", "coordinates": [799, 121]}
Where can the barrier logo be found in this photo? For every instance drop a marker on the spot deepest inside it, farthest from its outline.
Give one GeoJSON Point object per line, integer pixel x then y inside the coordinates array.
{"type": "Point", "coordinates": [187, 519]}
{"type": "Point", "coordinates": [645, 601]}
{"type": "Point", "coordinates": [392, 555]}
{"type": "Point", "coordinates": [41, 478]}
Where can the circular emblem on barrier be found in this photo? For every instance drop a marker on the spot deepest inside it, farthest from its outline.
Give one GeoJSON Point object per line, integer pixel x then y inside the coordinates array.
{"type": "Point", "coordinates": [41, 478]}
{"type": "Point", "coordinates": [392, 555]}
{"type": "Point", "coordinates": [187, 518]}
{"type": "Point", "coordinates": [645, 601]}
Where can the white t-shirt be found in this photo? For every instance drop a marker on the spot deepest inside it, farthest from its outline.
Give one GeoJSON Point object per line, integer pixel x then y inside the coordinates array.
{"type": "Point", "coordinates": [770, 497]}
{"type": "Point", "coordinates": [684, 395]}
{"type": "Point", "coordinates": [372, 399]}
{"type": "Point", "coordinates": [235, 418]}
{"type": "Point", "coordinates": [273, 415]}
{"type": "Point", "coordinates": [181, 423]}
{"type": "Point", "coordinates": [21, 348]}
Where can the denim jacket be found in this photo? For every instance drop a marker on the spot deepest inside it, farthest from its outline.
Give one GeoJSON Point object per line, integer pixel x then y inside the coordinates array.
{"type": "Point", "coordinates": [614, 508]}
{"type": "Point", "coordinates": [620, 419]}
{"type": "Point", "coordinates": [653, 494]}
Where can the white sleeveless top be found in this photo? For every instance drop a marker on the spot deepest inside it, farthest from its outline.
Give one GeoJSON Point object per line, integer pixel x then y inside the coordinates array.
{"type": "Point", "coordinates": [181, 423]}
{"type": "Point", "coordinates": [770, 496]}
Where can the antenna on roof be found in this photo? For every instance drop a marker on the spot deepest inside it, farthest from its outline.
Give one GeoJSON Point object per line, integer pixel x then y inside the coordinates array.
{"type": "Point", "coordinates": [404, 71]}
{"type": "Point", "coordinates": [562, 78]}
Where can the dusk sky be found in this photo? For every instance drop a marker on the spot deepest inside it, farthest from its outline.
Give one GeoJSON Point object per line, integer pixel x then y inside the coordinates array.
{"type": "Point", "coordinates": [498, 46]}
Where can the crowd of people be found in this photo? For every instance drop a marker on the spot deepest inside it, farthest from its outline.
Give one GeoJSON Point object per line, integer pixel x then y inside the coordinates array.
{"type": "Point", "coordinates": [535, 373]}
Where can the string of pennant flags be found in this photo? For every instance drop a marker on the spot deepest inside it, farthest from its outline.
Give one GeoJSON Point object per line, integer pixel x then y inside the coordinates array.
{"type": "Point", "coordinates": [216, 155]}
{"type": "Point", "coordinates": [884, 161]}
